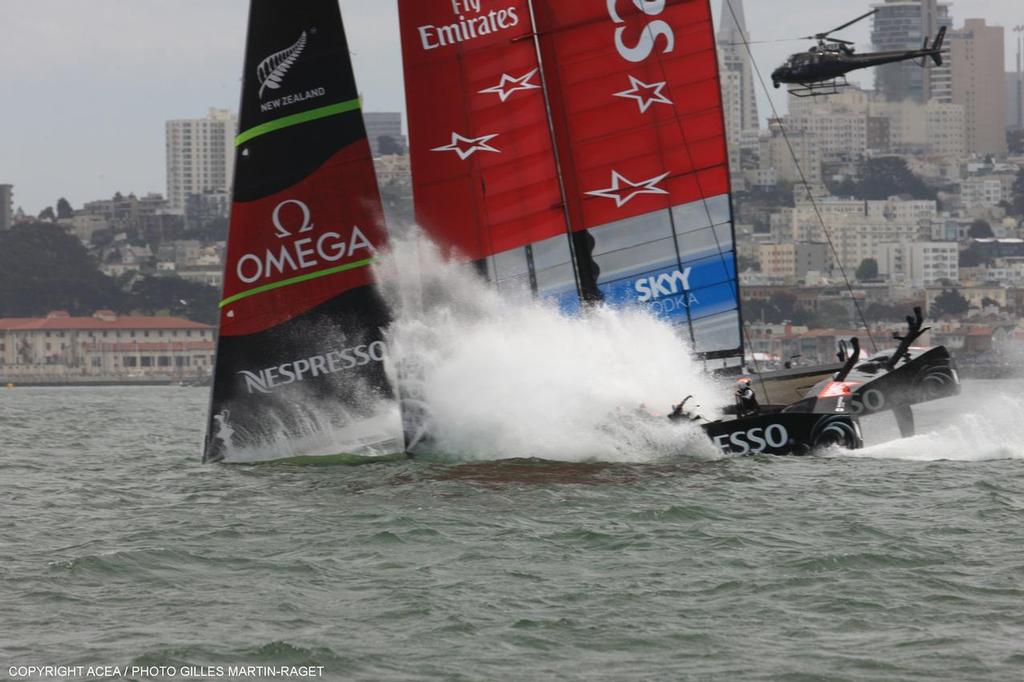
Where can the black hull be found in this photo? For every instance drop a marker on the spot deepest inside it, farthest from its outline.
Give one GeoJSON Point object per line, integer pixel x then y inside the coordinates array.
{"type": "Point", "coordinates": [784, 433]}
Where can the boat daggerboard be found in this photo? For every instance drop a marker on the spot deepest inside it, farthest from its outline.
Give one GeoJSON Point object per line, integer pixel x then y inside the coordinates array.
{"type": "Point", "coordinates": [548, 136]}
{"type": "Point", "coordinates": [300, 365]}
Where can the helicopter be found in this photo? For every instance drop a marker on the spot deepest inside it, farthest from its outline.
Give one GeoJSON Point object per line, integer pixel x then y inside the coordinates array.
{"type": "Point", "coordinates": [822, 69]}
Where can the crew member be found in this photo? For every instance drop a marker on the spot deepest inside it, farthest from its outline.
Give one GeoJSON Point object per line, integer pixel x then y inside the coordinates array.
{"type": "Point", "coordinates": [746, 401]}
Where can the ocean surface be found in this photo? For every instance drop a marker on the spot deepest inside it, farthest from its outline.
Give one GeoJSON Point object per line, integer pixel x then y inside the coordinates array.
{"type": "Point", "coordinates": [902, 562]}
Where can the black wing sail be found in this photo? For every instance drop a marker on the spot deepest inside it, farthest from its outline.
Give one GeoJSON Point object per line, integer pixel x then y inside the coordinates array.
{"type": "Point", "coordinates": [300, 367]}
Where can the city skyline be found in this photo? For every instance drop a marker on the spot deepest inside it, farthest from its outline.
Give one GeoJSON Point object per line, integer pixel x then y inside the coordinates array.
{"type": "Point", "coordinates": [92, 92]}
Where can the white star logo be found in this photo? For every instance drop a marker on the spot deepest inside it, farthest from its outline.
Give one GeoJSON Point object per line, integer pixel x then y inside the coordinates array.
{"type": "Point", "coordinates": [509, 85]}
{"type": "Point", "coordinates": [475, 144]}
{"type": "Point", "coordinates": [624, 190]}
{"type": "Point", "coordinates": [646, 94]}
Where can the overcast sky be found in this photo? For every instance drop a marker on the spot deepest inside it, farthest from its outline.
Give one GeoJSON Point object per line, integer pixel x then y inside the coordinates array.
{"type": "Point", "coordinates": [88, 84]}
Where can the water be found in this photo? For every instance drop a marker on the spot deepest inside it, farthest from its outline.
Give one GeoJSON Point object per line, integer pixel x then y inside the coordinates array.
{"type": "Point", "coordinates": [902, 562]}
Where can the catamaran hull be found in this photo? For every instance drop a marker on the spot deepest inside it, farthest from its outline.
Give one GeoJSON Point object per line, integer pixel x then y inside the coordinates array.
{"type": "Point", "coordinates": [785, 433]}
{"type": "Point", "coordinates": [924, 375]}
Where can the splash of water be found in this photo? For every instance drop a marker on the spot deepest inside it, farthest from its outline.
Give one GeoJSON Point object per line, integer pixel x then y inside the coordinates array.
{"type": "Point", "coordinates": [500, 376]}
{"type": "Point", "coordinates": [967, 428]}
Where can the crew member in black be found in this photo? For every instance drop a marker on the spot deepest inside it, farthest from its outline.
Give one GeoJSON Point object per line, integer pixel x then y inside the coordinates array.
{"type": "Point", "coordinates": [746, 401]}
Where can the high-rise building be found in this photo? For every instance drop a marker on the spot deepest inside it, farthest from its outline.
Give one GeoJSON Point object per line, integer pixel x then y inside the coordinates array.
{"type": "Point", "coordinates": [732, 108]}
{"type": "Point", "coordinates": [200, 156]}
{"type": "Point", "coordinates": [1015, 86]}
{"type": "Point", "coordinates": [979, 84]}
{"type": "Point", "coordinates": [905, 25]}
{"type": "Point", "coordinates": [384, 124]}
{"type": "Point", "coordinates": [6, 206]}
{"type": "Point", "coordinates": [732, 51]}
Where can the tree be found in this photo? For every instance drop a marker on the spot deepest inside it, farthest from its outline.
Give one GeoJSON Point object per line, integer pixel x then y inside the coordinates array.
{"type": "Point", "coordinates": [868, 270]}
{"type": "Point", "coordinates": [175, 296]}
{"type": "Point", "coordinates": [64, 209]}
{"type": "Point", "coordinates": [1015, 141]}
{"type": "Point", "coordinates": [748, 264]}
{"type": "Point", "coordinates": [43, 268]}
{"type": "Point", "coordinates": [949, 304]}
{"type": "Point", "coordinates": [831, 314]}
{"type": "Point", "coordinates": [387, 145]}
{"type": "Point", "coordinates": [987, 302]}
{"type": "Point", "coordinates": [1018, 194]}
{"type": "Point", "coordinates": [973, 256]}
{"type": "Point", "coordinates": [883, 177]}
{"type": "Point", "coordinates": [980, 229]}
{"type": "Point", "coordinates": [47, 214]}
{"type": "Point", "coordinates": [879, 312]}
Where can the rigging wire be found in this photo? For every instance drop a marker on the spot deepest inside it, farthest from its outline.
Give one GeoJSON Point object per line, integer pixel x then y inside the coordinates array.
{"type": "Point", "coordinates": [803, 180]}
{"type": "Point", "coordinates": [745, 340]}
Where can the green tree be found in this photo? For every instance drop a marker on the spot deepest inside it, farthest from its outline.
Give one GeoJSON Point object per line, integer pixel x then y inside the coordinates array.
{"type": "Point", "coordinates": [980, 229]}
{"type": "Point", "coordinates": [949, 304]}
{"type": "Point", "coordinates": [747, 264]}
{"type": "Point", "coordinates": [868, 270]}
{"type": "Point", "coordinates": [879, 312]}
{"type": "Point", "coordinates": [43, 268]}
{"type": "Point", "coordinates": [387, 145]}
{"type": "Point", "coordinates": [64, 209]}
{"type": "Point", "coordinates": [883, 177]}
{"type": "Point", "coordinates": [47, 214]}
{"type": "Point", "coordinates": [831, 314]}
{"type": "Point", "coordinates": [1015, 141]}
{"type": "Point", "coordinates": [175, 296]}
{"type": "Point", "coordinates": [973, 256]}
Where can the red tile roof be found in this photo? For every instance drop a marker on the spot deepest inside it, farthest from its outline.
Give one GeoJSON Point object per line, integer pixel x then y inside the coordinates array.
{"type": "Point", "coordinates": [102, 320]}
{"type": "Point", "coordinates": [130, 347]}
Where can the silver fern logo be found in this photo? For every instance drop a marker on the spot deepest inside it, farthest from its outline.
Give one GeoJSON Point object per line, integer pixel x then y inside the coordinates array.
{"type": "Point", "coordinates": [272, 70]}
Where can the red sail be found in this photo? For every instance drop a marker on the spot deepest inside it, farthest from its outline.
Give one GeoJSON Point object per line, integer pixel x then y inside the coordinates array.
{"type": "Point", "coordinates": [484, 172]}
{"type": "Point", "coordinates": [637, 107]}
{"type": "Point", "coordinates": [531, 120]}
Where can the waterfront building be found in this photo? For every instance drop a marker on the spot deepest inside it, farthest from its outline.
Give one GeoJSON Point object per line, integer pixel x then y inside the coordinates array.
{"type": "Point", "coordinates": [6, 207]}
{"type": "Point", "coordinates": [200, 156]}
{"type": "Point", "coordinates": [904, 25]}
{"type": "Point", "coordinates": [104, 345]}
{"type": "Point", "coordinates": [979, 84]}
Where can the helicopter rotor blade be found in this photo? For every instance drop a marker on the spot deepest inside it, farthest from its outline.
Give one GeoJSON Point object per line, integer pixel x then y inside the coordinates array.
{"type": "Point", "coordinates": [847, 24]}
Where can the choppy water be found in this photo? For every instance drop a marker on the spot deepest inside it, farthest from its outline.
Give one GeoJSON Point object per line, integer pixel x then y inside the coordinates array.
{"type": "Point", "coordinates": [905, 562]}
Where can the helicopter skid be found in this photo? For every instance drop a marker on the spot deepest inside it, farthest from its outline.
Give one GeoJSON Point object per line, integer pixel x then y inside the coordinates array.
{"type": "Point", "coordinates": [820, 89]}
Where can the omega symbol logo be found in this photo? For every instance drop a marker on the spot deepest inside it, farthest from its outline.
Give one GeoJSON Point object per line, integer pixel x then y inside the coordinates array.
{"type": "Point", "coordinates": [306, 226]}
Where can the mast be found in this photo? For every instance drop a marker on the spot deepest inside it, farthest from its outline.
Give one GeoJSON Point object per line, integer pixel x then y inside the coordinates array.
{"type": "Point", "coordinates": [300, 357]}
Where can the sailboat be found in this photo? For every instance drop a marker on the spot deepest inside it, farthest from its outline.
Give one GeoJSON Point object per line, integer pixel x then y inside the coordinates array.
{"type": "Point", "coordinates": [577, 152]}
{"type": "Point", "coordinates": [300, 364]}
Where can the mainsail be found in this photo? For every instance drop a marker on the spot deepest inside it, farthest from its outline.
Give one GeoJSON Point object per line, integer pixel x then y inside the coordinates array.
{"type": "Point", "coordinates": [300, 359]}
{"type": "Point", "coordinates": [578, 150]}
